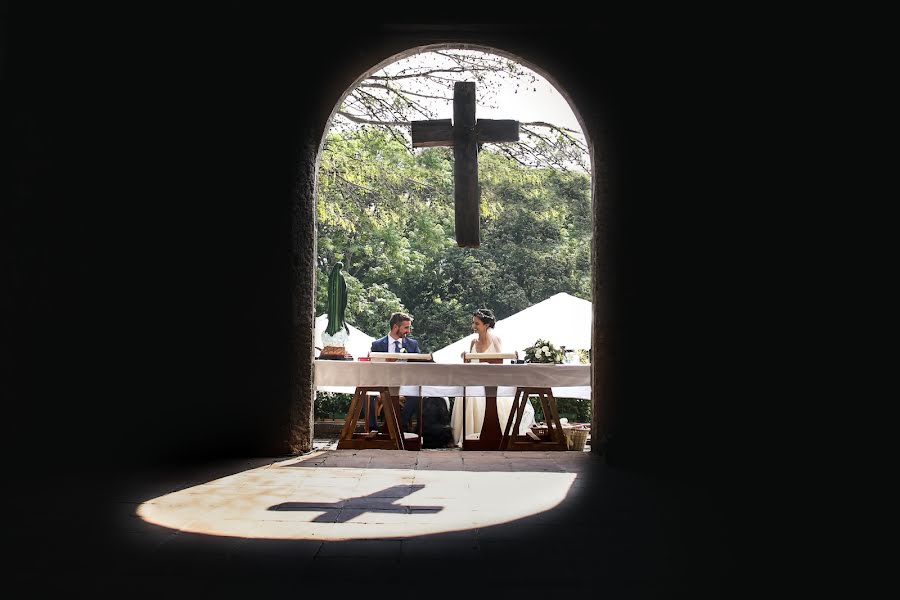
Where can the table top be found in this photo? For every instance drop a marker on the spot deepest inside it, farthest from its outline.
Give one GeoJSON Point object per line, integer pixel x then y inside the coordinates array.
{"type": "Point", "coordinates": [449, 379]}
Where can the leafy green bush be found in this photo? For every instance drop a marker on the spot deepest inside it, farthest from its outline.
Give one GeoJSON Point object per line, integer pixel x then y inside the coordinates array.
{"type": "Point", "coordinates": [330, 405]}
{"type": "Point", "coordinates": [574, 409]}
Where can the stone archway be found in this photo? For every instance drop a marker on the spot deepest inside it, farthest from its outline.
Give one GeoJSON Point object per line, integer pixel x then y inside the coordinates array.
{"type": "Point", "coordinates": [300, 432]}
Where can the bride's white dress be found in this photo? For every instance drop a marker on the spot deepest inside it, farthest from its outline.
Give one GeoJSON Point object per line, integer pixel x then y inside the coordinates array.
{"type": "Point", "coordinates": [475, 407]}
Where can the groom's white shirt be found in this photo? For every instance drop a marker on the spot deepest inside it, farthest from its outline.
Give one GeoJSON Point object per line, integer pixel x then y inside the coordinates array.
{"type": "Point", "coordinates": [391, 345]}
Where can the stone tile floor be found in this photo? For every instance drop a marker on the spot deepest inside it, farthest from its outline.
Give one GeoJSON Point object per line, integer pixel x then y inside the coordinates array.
{"type": "Point", "coordinates": [426, 522]}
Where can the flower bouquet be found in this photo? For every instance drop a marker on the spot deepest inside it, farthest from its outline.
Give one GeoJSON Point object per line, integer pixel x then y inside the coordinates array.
{"type": "Point", "coordinates": [543, 351]}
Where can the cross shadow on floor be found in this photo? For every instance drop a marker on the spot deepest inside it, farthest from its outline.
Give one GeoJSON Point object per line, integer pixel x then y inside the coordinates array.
{"type": "Point", "coordinates": [328, 508]}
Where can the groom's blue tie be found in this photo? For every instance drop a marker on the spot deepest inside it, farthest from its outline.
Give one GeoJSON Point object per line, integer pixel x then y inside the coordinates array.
{"type": "Point", "coordinates": [396, 345]}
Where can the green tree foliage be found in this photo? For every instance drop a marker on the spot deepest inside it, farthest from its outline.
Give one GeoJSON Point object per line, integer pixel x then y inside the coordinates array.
{"type": "Point", "coordinates": [575, 410]}
{"type": "Point", "coordinates": [387, 214]}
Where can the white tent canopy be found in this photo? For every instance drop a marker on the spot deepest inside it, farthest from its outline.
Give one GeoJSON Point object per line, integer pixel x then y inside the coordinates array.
{"type": "Point", "coordinates": [358, 343]}
{"type": "Point", "coordinates": [562, 319]}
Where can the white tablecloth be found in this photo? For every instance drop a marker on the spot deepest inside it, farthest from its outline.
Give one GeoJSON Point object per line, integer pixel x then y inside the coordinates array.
{"type": "Point", "coordinates": [567, 381]}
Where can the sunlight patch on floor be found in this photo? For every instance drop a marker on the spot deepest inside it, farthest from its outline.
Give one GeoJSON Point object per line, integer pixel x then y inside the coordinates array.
{"type": "Point", "coordinates": [329, 496]}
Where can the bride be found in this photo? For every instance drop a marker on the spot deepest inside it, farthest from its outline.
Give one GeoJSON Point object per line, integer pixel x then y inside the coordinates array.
{"type": "Point", "coordinates": [487, 341]}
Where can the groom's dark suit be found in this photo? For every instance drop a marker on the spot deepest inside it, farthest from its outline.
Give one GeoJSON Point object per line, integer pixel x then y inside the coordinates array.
{"type": "Point", "coordinates": [411, 404]}
{"type": "Point", "coordinates": [409, 344]}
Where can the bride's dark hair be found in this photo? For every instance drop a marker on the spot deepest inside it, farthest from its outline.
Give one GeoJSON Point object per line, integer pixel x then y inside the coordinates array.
{"type": "Point", "coordinates": [486, 316]}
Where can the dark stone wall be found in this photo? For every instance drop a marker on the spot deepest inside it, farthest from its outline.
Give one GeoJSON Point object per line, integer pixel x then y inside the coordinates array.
{"type": "Point", "coordinates": [158, 243]}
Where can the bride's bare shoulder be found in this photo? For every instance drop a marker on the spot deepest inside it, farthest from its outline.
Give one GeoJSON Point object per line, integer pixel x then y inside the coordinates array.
{"type": "Point", "coordinates": [497, 342]}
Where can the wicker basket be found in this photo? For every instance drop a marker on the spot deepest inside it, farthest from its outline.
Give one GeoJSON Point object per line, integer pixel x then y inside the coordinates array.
{"type": "Point", "coordinates": [576, 438]}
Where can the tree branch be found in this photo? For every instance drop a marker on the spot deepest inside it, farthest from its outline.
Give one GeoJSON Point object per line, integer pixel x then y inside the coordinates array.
{"type": "Point", "coordinates": [403, 92]}
{"type": "Point", "coordinates": [427, 73]}
{"type": "Point", "coordinates": [364, 121]}
{"type": "Point", "coordinates": [549, 125]}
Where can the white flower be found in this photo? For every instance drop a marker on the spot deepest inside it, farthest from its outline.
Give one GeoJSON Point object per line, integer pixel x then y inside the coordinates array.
{"type": "Point", "coordinates": [546, 349]}
{"type": "Point", "coordinates": [537, 352]}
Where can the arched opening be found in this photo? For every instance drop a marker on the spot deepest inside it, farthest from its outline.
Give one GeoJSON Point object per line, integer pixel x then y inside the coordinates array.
{"type": "Point", "coordinates": [452, 317]}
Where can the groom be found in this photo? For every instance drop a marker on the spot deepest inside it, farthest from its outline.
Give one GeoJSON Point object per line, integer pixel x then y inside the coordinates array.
{"type": "Point", "coordinates": [397, 341]}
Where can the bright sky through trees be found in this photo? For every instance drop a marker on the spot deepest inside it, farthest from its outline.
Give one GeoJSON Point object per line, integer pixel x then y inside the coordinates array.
{"type": "Point", "coordinates": [530, 100]}
{"type": "Point", "coordinates": [420, 87]}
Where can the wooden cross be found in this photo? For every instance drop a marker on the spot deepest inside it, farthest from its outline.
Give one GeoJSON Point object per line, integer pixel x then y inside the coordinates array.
{"type": "Point", "coordinates": [466, 136]}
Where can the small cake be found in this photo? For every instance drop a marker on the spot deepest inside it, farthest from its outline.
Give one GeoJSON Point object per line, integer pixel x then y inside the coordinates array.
{"type": "Point", "coordinates": [336, 351]}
